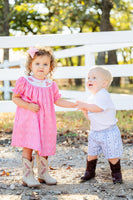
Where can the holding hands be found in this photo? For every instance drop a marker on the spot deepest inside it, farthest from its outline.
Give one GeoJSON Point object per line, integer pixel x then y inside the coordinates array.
{"type": "Point", "coordinates": [88, 107]}
{"type": "Point", "coordinates": [81, 106]}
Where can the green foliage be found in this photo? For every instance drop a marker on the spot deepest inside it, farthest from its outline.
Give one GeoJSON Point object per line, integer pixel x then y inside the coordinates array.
{"type": "Point", "coordinates": [125, 121]}
{"type": "Point", "coordinates": [44, 17]}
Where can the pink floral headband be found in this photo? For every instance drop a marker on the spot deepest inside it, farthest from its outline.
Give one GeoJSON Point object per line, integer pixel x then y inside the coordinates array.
{"type": "Point", "coordinates": [32, 51]}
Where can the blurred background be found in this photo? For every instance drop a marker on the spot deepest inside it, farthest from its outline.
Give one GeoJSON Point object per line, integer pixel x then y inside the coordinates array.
{"type": "Point", "coordinates": [30, 17]}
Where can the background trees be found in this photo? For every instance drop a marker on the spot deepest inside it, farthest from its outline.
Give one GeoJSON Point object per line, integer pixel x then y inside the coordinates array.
{"type": "Point", "coordinates": [44, 17]}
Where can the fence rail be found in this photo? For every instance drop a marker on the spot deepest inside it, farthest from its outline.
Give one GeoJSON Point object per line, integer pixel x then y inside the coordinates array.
{"type": "Point", "coordinates": [95, 39]}
{"type": "Point", "coordinates": [91, 43]}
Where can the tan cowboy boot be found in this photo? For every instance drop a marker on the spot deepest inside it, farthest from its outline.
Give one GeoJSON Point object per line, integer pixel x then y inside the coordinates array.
{"type": "Point", "coordinates": [28, 175]}
{"type": "Point", "coordinates": [43, 175]}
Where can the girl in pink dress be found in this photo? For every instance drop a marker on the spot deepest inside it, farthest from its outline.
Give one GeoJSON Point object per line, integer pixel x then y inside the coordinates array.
{"type": "Point", "coordinates": [35, 120]}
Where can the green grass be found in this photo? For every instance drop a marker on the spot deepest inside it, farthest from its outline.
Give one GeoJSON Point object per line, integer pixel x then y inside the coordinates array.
{"type": "Point", "coordinates": [125, 121]}
{"type": "Point", "coordinates": [127, 89]}
{"type": "Point", "coordinates": [69, 122]}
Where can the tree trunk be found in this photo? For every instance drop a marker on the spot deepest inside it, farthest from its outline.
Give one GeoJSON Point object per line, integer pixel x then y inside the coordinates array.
{"type": "Point", "coordinates": [105, 25]}
{"type": "Point", "coordinates": [6, 26]}
{"type": "Point", "coordinates": [78, 81]}
{"type": "Point", "coordinates": [71, 62]}
{"type": "Point", "coordinates": [101, 58]}
{"type": "Point", "coordinates": [112, 59]}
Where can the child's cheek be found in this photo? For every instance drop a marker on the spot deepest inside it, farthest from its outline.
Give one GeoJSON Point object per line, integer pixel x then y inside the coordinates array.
{"type": "Point", "coordinates": [87, 83]}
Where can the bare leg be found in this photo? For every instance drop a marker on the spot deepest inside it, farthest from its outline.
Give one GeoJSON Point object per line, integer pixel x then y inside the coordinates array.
{"type": "Point", "coordinates": [27, 153]}
{"type": "Point", "coordinates": [113, 160]}
{"type": "Point", "coordinates": [91, 158]}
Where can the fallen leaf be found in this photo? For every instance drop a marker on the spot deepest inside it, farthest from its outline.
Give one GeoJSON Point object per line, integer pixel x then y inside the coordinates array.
{"type": "Point", "coordinates": [51, 168]}
{"type": "Point", "coordinates": [68, 167]}
{"type": "Point", "coordinates": [4, 173]}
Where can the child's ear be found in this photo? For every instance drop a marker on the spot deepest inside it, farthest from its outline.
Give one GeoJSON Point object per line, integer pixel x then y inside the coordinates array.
{"type": "Point", "coordinates": [105, 84]}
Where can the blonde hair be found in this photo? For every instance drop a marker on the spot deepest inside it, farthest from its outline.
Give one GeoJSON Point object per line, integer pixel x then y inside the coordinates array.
{"type": "Point", "coordinates": [42, 51]}
{"type": "Point", "coordinates": [107, 75]}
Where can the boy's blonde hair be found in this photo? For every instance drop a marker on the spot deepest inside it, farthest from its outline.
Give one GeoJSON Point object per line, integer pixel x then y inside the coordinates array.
{"type": "Point", "coordinates": [42, 51]}
{"type": "Point", "coordinates": [107, 75]}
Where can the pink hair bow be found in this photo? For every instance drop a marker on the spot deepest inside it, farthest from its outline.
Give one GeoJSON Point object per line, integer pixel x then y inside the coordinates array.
{"type": "Point", "coordinates": [32, 51]}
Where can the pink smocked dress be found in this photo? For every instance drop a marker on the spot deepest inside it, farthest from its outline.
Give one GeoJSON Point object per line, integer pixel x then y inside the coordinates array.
{"type": "Point", "coordinates": [36, 130]}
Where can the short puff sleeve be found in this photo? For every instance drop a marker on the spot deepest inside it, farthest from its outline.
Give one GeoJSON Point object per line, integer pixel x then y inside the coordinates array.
{"type": "Point", "coordinates": [57, 95]}
{"type": "Point", "coordinates": [19, 86]}
{"type": "Point", "coordinates": [103, 100]}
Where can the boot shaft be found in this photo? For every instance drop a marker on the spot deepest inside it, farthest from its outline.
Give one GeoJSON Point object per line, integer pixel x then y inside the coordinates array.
{"type": "Point", "coordinates": [90, 170]}
{"type": "Point", "coordinates": [28, 175]}
{"type": "Point", "coordinates": [116, 172]}
{"type": "Point", "coordinates": [27, 166]}
{"type": "Point", "coordinates": [91, 165]}
{"type": "Point", "coordinates": [115, 167]}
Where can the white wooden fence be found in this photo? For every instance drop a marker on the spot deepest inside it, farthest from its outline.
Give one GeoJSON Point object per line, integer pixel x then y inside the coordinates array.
{"type": "Point", "coordinates": [90, 44]}
{"type": "Point", "coordinates": [7, 89]}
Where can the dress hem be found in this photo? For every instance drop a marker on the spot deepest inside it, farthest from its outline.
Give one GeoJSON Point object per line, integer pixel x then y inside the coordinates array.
{"type": "Point", "coordinates": [41, 154]}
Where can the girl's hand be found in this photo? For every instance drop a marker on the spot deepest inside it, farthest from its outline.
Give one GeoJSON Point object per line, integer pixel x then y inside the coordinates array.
{"type": "Point", "coordinates": [33, 107]}
{"type": "Point", "coordinates": [75, 105]}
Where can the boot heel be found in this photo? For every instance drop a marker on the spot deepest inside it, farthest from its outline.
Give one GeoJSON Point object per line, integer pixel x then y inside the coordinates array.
{"type": "Point", "coordinates": [41, 180]}
{"type": "Point", "coordinates": [24, 184]}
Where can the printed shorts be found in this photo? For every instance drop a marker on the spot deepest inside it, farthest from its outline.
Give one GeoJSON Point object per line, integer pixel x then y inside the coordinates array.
{"type": "Point", "coordinates": [107, 141]}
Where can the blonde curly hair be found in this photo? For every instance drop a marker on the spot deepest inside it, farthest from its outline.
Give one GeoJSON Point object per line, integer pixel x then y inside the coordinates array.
{"type": "Point", "coordinates": [42, 51]}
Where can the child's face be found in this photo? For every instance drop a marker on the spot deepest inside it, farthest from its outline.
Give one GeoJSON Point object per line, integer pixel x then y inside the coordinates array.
{"type": "Point", "coordinates": [96, 81]}
{"type": "Point", "coordinates": [40, 66]}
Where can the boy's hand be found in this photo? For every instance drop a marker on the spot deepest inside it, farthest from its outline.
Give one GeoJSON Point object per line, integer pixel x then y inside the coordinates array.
{"type": "Point", "coordinates": [80, 105]}
{"type": "Point", "coordinates": [89, 107]}
{"type": "Point", "coordinates": [33, 107]}
{"type": "Point", "coordinates": [84, 111]}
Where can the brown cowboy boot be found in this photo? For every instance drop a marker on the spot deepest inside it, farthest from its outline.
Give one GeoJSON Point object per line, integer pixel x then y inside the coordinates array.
{"type": "Point", "coordinates": [90, 170]}
{"type": "Point", "coordinates": [116, 172]}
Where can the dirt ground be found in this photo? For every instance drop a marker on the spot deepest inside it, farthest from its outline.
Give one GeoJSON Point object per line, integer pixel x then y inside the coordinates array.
{"type": "Point", "coordinates": [67, 166]}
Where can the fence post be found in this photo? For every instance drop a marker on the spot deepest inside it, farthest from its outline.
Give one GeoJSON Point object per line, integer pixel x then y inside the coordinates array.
{"type": "Point", "coordinates": [6, 84]}
{"type": "Point", "coordinates": [89, 62]}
